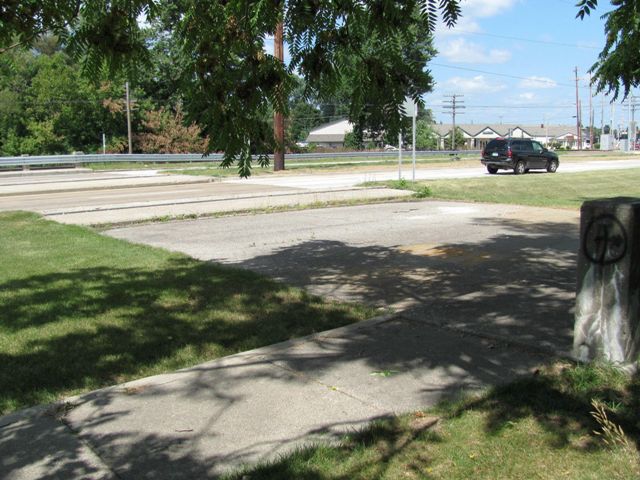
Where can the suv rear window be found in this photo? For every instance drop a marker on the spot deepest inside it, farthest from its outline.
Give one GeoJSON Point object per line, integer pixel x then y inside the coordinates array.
{"type": "Point", "coordinates": [497, 145]}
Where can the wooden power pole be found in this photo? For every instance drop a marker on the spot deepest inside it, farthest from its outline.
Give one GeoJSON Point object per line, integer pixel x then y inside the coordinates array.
{"type": "Point", "coordinates": [278, 117]}
{"type": "Point", "coordinates": [578, 125]}
{"type": "Point", "coordinates": [128, 100]}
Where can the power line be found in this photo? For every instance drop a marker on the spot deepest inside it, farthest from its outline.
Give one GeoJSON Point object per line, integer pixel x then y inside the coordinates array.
{"type": "Point", "coordinates": [530, 40]}
{"type": "Point", "coordinates": [539, 80]}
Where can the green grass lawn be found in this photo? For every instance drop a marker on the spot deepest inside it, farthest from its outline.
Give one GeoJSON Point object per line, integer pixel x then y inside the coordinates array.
{"type": "Point", "coordinates": [564, 190]}
{"type": "Point", "coordinates": [79, 311]}
{"type": "Point", "coordinates": [536, 428]}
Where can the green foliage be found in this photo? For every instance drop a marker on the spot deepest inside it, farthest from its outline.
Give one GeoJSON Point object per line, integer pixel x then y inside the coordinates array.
{"type": "Point", "coordinates": [46, 106]}
{"type": "Point", "coordinates": [353, 141]}
{"type": "Point", "coordinates": [42, 138]}
{"type": "Point", "coordinates": [165, 132]}
{"type": "Point", "coordinates": [458, 140]}
{"type": "Point", "coordinates": [618, 64]}
{"type": "Point", "coordinates": [426, 136]}
{"type": "Point", "coordinates": [423, 191]}
{"type": "Point", "coordinates": [371, 54]}
{"type": "Point", "coordinates": [304, 114]}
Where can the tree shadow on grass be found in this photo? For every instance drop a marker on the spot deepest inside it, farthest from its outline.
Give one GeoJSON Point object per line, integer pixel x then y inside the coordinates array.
{"type": "Point", "coordinates": [91, 327]}
{"type": "Point", "coordinates": [517, 284]}
{"type": "Point", "coordinates": [559, 399]}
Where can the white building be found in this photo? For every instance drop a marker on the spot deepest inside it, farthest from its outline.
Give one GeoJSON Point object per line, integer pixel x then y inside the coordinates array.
{"type": "Point", "coordinates": [331, 134]}
{"type": "Point", "coordinates": [476, 136]}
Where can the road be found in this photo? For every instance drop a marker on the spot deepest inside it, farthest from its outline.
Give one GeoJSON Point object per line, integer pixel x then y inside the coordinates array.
{"type": "Point", "coordinates": [508, 271]}
{"type": "Point", "coordinates": [87, 197]}
{"type": "Point", "coordinates": [342, 180]}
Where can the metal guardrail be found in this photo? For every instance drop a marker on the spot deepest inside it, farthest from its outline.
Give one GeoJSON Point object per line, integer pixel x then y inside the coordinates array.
{"type": "Point", "coordinates": [81, 159]}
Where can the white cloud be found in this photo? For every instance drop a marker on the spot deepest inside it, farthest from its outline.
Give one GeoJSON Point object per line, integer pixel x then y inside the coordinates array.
{"type": "Point", "coordinates": [463, 26]}
{"type": "Point", "coordinates": [477, 84]}
{"type": "Point", "coordinates": [485, 8]}
{"type": "Point", "coordinates": [527, 96]}
{"type": "Point", "coordinates": [463, 51]}
{"type": "Point", "coordinates": [538, 82]}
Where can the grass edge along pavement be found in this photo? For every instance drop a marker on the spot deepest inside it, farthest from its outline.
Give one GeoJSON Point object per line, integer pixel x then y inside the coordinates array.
{"type": "Point", "coordinates": [565, 421]}
{"type": "Point", "coordinates": [81, 311]}
{"type": "Point", "coordinates": [559, 190]}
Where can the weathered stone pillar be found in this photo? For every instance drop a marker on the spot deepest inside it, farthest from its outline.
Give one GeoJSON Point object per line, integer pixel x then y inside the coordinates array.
{"type": "Point", "coordinates": [607, 319]}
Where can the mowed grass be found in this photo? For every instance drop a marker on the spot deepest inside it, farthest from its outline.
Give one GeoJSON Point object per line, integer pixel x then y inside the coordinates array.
{"type": "Point", "coordinates": [79, 311]}
{"type": "Point", "coordinates": [564, 190]}
{"type": "Point", "coordinates": [539, 427]}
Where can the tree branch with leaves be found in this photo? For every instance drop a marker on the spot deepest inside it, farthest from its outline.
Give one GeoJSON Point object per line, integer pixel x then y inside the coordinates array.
{"type": "Point", "coordinates": [618, 66]}
{"type": "Point", "coordinates": [231, 85]}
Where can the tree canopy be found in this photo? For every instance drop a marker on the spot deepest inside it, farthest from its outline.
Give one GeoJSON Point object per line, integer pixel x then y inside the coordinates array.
{"type": "Point", "coordinates": [618, 64]}
{"type": "Point", "coordinates": [373, 52]}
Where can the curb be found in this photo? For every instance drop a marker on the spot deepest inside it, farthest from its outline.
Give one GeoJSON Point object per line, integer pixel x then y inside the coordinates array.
{"type": "Point", "coordinates": [58, 409]}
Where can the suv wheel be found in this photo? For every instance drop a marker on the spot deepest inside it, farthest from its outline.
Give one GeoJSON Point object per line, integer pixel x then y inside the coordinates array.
{"type": "Point", "coordinates": [520, 168]}
{"type": "Point", "coordinates": [492, 170]}
{"type": "Point", "coordinates": [552, 166]}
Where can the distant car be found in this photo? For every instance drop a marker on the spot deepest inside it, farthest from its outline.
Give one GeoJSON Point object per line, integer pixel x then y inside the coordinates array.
{"type": "Point", "coordinates": [519, 155]}
{"type": "Point", "coordinates": [390, 148]}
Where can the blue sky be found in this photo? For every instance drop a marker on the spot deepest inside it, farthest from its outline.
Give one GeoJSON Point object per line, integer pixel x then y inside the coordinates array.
{"type": "Point", "coordinates": [546, 42]}
{"type": "Point", "coordinates": [513, 61]}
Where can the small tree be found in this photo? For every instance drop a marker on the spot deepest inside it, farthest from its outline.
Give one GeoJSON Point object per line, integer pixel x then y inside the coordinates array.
{"type": "Point", "coordinates": [353, 141]}
{"type": "Point", "coordinates": [167, 133]}
{"type": "Point", "coordinates": [458, 141]}
{"type": "Point", "coordinates": [426, 136]}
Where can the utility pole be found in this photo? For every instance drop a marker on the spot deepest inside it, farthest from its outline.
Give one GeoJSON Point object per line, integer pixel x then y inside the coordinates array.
{"type": "Point", "coordinates": [278, 117]}
{"type": "Point", "coordinates": [590, 115]}
{"type": "Point", "coordinates": [126, 87]}
{"type": "Point", "coordinates": [452, 106]}
{"type": "Point", "coordinates": [632, 126]}
{"type": "Point", "coordinates": [578, 129]}
{"type": "Point", "coordinates": [628, 123]}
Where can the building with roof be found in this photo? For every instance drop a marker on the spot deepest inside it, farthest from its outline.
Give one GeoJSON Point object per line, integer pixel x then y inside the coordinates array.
{"type": "Point", "coordinates": [476, 136]}
{"type": "Point", "coordinates": [330, 134]}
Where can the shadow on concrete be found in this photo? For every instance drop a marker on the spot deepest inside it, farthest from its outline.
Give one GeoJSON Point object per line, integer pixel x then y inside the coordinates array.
{"type": "Point", "coordinates": [519, 285]}
{"type": "Point", "coordinates": [200, 422]}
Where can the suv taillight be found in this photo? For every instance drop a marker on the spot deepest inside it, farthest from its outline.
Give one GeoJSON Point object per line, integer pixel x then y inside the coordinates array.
{"type": "Point", "coordinates": [509, 154]}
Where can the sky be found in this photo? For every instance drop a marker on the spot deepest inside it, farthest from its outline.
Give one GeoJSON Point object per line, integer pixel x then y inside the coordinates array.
{"type": "Point", "coordinates": [513, 61]}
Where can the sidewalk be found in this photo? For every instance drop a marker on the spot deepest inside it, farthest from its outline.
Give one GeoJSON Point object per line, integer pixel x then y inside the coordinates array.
{"type": "Point", "coordinates": [74, 180]}
{"type": "Point", "coordinates": [91, 198]}
{"type": "Point", "coordinates": [254, 406]}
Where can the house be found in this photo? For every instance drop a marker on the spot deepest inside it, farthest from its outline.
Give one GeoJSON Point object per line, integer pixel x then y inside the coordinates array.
{"type": "Point", "coordinates": [476, 136]}
{"type": "Point", "coordinates": [331, 134]}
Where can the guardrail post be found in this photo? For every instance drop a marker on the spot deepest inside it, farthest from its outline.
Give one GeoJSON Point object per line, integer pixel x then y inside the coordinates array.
{"type": "Point", "coordinates": [607, 317]}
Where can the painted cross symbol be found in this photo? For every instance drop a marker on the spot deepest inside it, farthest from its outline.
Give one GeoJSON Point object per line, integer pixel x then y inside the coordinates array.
{"type": "Point", "coordinates": [605, 240]}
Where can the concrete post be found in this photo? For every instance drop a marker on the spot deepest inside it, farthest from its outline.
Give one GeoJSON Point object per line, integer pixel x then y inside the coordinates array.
{"type": "Point", "coordinates": [607, 318]}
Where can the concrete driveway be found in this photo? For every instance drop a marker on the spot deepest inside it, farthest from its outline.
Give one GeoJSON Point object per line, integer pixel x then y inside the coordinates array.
{"type": "Point", "coordinates": [484, 294]}
{"type": "Point", "coordinates": [499, 270]}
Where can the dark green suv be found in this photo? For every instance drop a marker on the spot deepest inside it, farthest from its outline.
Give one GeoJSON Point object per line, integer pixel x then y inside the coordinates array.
{"type": "Point", "coordinates": [519, 155]}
